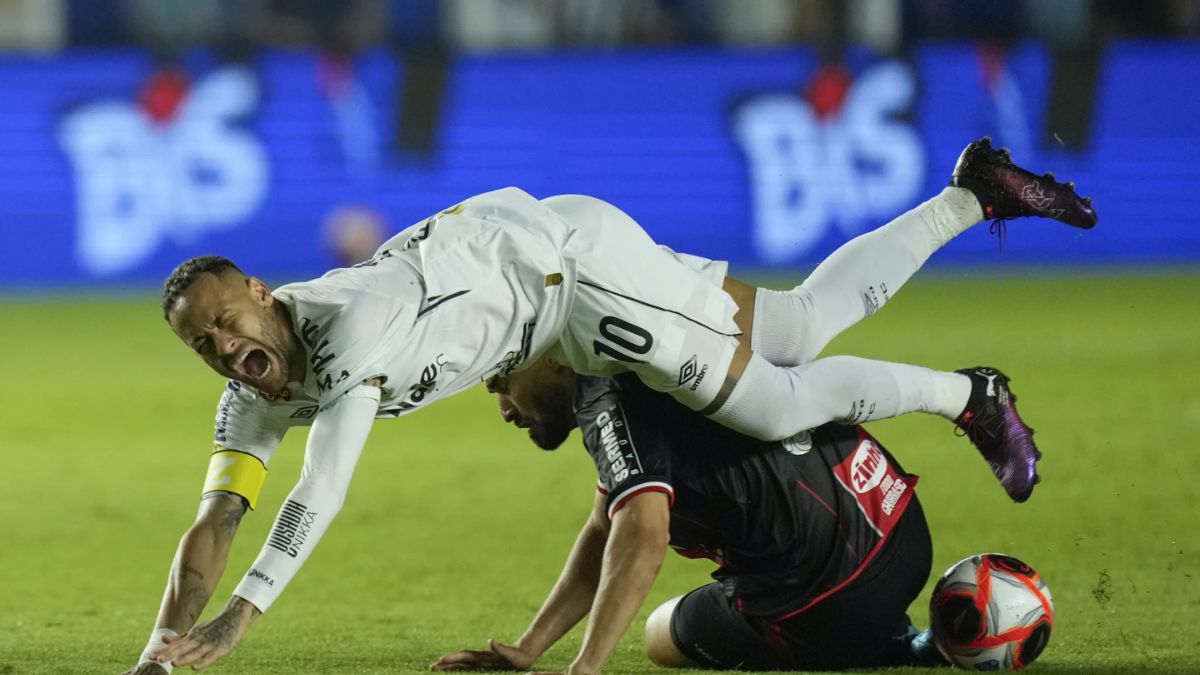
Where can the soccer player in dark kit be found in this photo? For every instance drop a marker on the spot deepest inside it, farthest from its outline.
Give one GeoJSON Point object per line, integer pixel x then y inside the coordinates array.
{"type": "Point", "coordinates": [820, 540]}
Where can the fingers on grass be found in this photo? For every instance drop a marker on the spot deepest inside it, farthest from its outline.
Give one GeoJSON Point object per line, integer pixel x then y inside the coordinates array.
{"type": "Point", "coordinates": [189, 656]}
{"type": "Point", "coordinates": [208, 659]}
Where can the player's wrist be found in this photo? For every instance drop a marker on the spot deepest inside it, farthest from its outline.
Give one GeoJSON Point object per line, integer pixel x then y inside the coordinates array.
{"type": "Point", "coordinates": [254, 591]}
{"type": "Point", "coordinates": [244, 609]}
{"type": "Point", "coordinates": [580, 666]}
{"type": "Point", "coordinates": [156, 643]}
{"type": "Point", "coordinates": [530, 645]}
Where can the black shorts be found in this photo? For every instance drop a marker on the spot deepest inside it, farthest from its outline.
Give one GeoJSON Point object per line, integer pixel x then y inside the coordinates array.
{"type": "Point", "coordinates": [863, 625]}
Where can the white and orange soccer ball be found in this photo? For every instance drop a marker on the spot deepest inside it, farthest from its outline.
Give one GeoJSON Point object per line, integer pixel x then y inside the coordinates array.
{"type": "Point", "coordinates": [991, 612]}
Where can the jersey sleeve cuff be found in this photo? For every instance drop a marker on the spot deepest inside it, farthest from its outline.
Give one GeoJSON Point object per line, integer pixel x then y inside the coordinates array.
{"type": "Point", "coordinates": [353, 386]}
{"type": "Point", "coordinates": [257, 589]}
{"type": "Point", "coordinates": [620, 499]}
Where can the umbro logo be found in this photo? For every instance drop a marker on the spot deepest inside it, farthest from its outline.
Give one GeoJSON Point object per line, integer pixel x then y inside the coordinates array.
{"type": "Point", "coordinates": [692, 373]}
{"type": "Point", "coordinates": [687, 371]}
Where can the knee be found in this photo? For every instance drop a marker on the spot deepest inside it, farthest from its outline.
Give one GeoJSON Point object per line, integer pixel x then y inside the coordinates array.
{"type": "Point", "coordinates": [763, 401]}
{"type": "Point", "coordinates": [785, 326]}
{"type": "Point", "coordinates": [660, 646]}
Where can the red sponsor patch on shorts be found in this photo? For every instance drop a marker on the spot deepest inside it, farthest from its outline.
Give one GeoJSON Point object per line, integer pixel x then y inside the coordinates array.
{"type": "Point", "coordinates": [881, 490]}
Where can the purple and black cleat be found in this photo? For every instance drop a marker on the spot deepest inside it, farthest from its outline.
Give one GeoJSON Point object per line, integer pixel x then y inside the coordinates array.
{"type": "Point", "coordinates": [991, 421]}
{"type": "Point", "coordinates": [1005, 190]}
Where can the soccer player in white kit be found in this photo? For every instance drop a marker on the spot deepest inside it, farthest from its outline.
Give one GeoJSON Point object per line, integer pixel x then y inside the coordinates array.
{"type": "Point", "coordinates": [496, 282]}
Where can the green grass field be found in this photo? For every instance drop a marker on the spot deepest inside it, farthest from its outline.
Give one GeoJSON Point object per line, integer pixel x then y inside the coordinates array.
{"type": "Point", "coordinates": [456, 526]}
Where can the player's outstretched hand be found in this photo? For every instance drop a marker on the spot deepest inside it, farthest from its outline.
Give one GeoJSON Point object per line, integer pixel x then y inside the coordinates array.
{"type": "Point", "coordinates": [207, 643]}
{"type": "Point", "coordinates": [147, 668]}
{"type": "Point", "coordinates": [496, 657]}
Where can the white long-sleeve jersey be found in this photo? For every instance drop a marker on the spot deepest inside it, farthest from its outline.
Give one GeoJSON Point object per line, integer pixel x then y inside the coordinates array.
{"type": "Point", "coordinates": [477, 290]}
{"type": "Point", "coordinates": [474, 291]}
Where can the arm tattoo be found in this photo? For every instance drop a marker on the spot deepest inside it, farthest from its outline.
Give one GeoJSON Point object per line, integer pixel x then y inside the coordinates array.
{"type": "Point", "coordinates": [240, 604]}
{"type": "Point", "coordinates": [231, 518]}
{"type": "Point", "coordinates": [195, 594]}
{"type": "Point", "coordinates": [188, 571]}
{"type": "Point", "coordinates": [194, 600]}
{"type": "Point", "coordinates": [221, 631]}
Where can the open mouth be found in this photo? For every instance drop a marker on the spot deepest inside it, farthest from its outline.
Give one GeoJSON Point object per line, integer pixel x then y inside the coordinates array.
{"type": "Point", "coordinates": [256, 364]}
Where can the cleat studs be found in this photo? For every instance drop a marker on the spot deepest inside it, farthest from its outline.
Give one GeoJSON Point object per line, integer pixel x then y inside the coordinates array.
{"type": "Point", "coordinates": [1071, 184]}
{"type": "Point", "coordinates": [986, 142]}
{"type": "Point", "coordinates": [1036, 479]}
{"type": "Point", "coordinates": [1087, 201]}
{"type": "Point", "coordinates": [1049, 175]}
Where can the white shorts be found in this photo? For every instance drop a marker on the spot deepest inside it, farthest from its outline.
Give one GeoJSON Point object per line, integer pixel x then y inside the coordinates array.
{"type": "Point", "coordinates": [642, 307]}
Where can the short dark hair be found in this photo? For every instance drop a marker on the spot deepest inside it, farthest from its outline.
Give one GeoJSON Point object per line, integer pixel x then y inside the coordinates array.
{"type": "Point", "coordinates": [187, 273]}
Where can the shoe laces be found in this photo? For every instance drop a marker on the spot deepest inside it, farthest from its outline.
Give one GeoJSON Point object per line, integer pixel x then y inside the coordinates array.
{"type": "Point", "coordinates": [974, 427]}
{"type": "Point", "coordinates": [999, 227]}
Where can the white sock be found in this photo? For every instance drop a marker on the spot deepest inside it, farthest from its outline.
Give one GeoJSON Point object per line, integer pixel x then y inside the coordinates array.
{"type": "Point", "coordinates": [772, 402]}
{"type": "Point", "coordinates": [954, 390]}
{"type": "Point", "coordinates": [792, 327]}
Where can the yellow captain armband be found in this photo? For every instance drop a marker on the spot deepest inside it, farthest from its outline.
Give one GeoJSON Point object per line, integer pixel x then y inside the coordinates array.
{"type": "Point", "coordinates": [235, 471]}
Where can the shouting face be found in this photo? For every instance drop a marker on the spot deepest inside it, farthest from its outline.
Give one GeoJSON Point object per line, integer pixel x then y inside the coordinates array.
{"type": "Point", "coordinates": [540, 399]}
{"type": "Point", "coordinates": [234, 323]}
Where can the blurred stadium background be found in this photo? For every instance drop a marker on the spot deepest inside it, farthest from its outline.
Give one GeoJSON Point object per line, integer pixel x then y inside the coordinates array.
{"type": "Point", "coordinates": [291, 135]}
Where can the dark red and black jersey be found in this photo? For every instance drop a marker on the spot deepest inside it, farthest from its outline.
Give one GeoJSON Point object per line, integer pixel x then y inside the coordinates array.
{"type": "Point", "coordinates": [787, 522]}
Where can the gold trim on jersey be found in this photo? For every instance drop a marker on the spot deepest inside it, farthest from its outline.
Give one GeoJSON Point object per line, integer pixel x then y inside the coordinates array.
{"type": "Point", "coordinates": [235, 471]}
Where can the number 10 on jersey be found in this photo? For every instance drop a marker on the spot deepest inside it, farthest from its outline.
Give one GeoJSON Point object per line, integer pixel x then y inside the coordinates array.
{"type": "Point", "coordinates": [628, 341]}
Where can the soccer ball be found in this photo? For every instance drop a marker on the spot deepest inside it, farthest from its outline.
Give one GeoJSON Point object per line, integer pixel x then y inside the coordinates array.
{"type": "Point", "coordinates": [991, 612]}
